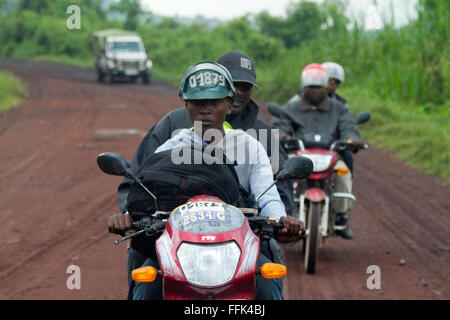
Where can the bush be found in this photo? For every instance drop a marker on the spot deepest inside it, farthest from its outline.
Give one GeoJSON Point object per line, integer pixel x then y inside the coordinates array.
{"type": "Point", "coordinates": [11, 91]}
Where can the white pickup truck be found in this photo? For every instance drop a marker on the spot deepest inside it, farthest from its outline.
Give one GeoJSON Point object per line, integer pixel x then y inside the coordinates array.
{"type": "Point", "coordinates": [120, 54]}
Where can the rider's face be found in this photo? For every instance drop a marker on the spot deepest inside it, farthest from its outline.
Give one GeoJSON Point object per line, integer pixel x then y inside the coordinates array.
{"type": "Point", "coordinates": [241, 97]}
{"type": "Point", "coordinates": [210, 112]}
{"type": "Point", "coordinates": [333, 84]}
{"type": "Point", "coordinates": [315, 94]}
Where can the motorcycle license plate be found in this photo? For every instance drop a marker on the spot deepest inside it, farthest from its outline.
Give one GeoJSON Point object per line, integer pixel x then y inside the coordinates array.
{"type": "Point", "coordinates": [199, 216]}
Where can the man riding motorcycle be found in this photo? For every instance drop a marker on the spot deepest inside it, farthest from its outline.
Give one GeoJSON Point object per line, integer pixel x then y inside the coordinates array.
{"type": "Point", "coordinates": [208, 102]}
{"type": "Point", "coordinates": [314, 112]}
{"type": "Point", "coordinates": [243, 116]}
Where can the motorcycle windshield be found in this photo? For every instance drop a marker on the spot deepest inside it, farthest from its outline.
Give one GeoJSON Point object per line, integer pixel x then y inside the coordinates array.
{"type": "Point", "coordinates": [206, 218]}
{"type": "Point", "coordinates": [314, 140]}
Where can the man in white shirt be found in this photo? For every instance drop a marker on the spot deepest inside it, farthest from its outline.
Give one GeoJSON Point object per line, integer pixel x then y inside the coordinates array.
{"type": "Point", "coordinates": [207, 89]}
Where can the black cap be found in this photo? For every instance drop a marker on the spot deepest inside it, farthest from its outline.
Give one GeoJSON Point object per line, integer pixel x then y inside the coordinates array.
{"type": "Point", "coordinates": [240, 66]}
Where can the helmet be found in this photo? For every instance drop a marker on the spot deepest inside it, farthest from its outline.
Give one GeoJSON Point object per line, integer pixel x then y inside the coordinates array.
{"type": "Point", "coordinates": [314, 75]}
{"type": "Point", "coordinates": [335, 70]}
{"type": "Point", "coordinates": [240, 65]}
{"type": "Point", "coordinates": [206, 80]}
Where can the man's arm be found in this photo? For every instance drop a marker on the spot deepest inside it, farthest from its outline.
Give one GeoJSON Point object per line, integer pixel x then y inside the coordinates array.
{"type": "Point", "coordinates": [285, 188]}
{"type": "Point", "coordinates": [270, 203]}
{"type": "Point", "coordinates": [283, 125]}
{"type": "Point", "coordinates": [260, 178]}
{"type": "Point", "coordinates": [286, 126]}
{"type": "Point", "coordinates": [348, 129]}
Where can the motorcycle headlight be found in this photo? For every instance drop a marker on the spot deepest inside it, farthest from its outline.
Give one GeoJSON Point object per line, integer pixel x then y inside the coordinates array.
{"type": "Point", "coordinates": [209, 265]}
{"type": "Point", "coordinates": [321, 161]}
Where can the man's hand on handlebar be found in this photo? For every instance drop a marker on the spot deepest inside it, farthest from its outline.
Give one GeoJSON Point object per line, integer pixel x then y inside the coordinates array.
{"type": "Point", "coordinates": [291, 231]}
{"type": "Point", "coordinates": [120, 223]}
{"type": "Point", "coordinates": [354, 146]}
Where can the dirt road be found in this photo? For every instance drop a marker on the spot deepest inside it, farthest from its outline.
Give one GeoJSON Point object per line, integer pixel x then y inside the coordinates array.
{"type": "Point", "coordinates": [55, 202]}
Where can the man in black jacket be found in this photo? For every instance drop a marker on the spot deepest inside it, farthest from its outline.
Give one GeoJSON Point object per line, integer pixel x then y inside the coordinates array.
{"type": "Point", "coordinates": [243, 116]}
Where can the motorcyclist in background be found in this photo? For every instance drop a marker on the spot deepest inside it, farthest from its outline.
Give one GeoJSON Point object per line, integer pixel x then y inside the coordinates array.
{"type": "Point", "coordinates": [336, 76]}
{"type": "Point", "coordinates": [313, 111]}
{"type": "Point", "coordinates": [210, 103]}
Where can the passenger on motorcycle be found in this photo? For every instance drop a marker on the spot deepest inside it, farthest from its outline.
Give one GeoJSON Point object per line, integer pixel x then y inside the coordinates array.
{"type": "Point", "coordinates": [208, 102]}
{"type": "Point", "coordinates": [336, 76]}
{"type": "Point", "coordinates": [315, 112]}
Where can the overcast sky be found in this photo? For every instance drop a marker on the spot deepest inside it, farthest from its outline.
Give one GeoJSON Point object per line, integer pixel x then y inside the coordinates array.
{"type": "Point", "coordinates": [229, 9]}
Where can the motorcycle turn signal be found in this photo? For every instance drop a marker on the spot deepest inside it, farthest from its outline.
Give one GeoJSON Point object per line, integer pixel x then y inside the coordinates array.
{"type": "Point", "coordinates": [144, 274]}
{"type": "Point", "coordinates": [272, 270]}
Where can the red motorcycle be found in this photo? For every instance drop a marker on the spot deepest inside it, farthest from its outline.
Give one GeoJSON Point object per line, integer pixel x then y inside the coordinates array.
{"type": "Point", "coordinates": [315, 194]}
{"type": "Point", "coordinates": [206, 248]}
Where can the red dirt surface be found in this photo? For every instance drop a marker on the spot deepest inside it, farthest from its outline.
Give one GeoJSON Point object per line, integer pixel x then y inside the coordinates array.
{"type": "Point", "coordinates": [55, 202]}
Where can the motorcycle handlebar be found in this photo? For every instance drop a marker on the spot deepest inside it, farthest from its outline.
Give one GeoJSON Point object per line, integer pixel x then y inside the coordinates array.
{"type": "Point", "coordinates": [151, 226]}
{"type": "Point", "coordinates": [349, 144]}
{"type": "Point", "coordinates": [146, 225]}
{"type": "Point", "coordinates": [337, 145]}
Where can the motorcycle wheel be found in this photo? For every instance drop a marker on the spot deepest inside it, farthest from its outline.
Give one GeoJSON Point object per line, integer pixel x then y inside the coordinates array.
{"type": "Point", "coordinates": [312, 240]}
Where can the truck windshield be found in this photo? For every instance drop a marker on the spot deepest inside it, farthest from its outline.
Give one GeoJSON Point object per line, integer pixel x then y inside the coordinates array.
{"type": "Point", "coordinates": [124, 46]}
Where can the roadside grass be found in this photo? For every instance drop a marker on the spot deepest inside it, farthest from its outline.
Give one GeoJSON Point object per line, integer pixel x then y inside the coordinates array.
{"type": "Point", "coordinates": [418, 138]}
{"type": "Point", "coordinates": [75, 61]}
{"type": "Point", "coordinates": [12, 91]}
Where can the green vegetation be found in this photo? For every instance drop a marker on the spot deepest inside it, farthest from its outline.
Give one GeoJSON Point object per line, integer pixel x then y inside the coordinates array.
{"type": "Point", "coordinates": [401, 74]}
{"type": "Point", "coordinates": [419, 138]}
{"type": "Point", "coordinates": [11, 91]}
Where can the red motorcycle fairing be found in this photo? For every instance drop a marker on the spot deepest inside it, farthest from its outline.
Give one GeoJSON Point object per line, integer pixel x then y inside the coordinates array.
{"type": "Point", "coordinates": [175, 284]}
{"type": "Point", "coordinates": [315, 195]}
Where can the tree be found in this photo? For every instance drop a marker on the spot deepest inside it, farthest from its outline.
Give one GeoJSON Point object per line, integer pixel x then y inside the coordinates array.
{"type": "Point", "coordinates": [168, 23]}
{"type": "Point", "coordinates": [34, 5]}
{"type": "Point", "coordinates": [303, 22]}
{"type": "Point", "coordinates": [131, 9]}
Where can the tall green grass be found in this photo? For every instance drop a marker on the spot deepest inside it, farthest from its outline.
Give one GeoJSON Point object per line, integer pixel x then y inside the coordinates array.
{"type": "Point", "coordinates": [12, 91]}
{"type": "Point", "coordinates": [418, 138]}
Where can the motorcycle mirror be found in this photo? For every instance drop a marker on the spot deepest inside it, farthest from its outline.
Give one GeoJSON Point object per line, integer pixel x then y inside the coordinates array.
{"type": "Point", "coordinates": [297, 167]}
{"type": "Point", "coordinates": [363, 117]}
{"type": "Point", "coordinates": [276, 110]}
{"type": "Point", "coordinates": [113, 163]}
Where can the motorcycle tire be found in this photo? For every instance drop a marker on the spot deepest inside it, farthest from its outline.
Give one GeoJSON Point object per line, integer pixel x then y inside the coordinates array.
{"type": "Point", "coordinates": [312, 240]}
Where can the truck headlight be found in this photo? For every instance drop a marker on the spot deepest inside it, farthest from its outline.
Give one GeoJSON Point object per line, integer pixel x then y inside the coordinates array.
{"type": "Point", "coordinates": [111, 63]}
{"type": "Point", "coordinates": [209, 265]}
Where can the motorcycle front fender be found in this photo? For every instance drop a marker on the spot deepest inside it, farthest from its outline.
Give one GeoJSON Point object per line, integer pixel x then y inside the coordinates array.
{"type": "Point", "coordinates": [315, 195]}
